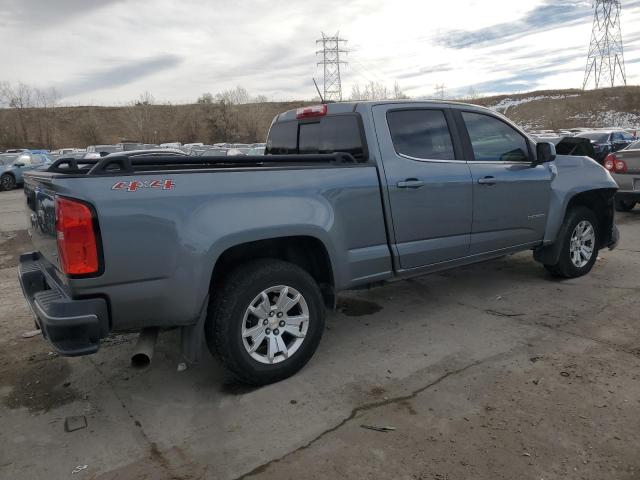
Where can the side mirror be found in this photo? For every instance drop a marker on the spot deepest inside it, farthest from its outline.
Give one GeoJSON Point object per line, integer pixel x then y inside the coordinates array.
{"type": "Point", "coordinates": [545, 152]}
{"type": "Point", "coordinates": [18, 164]}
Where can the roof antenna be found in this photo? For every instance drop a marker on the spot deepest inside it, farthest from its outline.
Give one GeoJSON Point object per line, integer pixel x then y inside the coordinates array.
{"type": "Point", "coordinates": [319, 94]}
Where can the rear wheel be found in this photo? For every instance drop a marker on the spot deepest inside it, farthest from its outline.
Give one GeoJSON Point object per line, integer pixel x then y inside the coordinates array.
{"type": "Point", "coordinates": [266, 321]}
{"type": "Point", "coordinates": [625, 205]}
{"type": "Point", "coordinates": [579, 237]}
{"type": "Point", "coordinates": [7, 182]}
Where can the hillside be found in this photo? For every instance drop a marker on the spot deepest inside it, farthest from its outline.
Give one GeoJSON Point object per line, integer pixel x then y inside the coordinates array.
{"type": "Point", "coordinates": [81, 126]}
{"type": "Point", "coordinates": [557, 109]}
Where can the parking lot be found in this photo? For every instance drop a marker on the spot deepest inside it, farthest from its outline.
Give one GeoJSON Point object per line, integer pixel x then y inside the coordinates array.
{"type": "Point", "coordinates": [490, 371]}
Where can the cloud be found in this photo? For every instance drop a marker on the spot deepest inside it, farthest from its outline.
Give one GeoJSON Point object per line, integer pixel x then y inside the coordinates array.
{"type": "Point", "coordinates": [118, 75]}
{"type": "Point", "coordinates": [47, 13]}
{"type": "Point", "coordinates": [549, 15]}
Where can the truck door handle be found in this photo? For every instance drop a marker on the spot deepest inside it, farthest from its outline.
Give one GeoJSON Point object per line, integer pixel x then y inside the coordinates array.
{"type": "Point", "coordinates": [487, 181]}
{"type": "Point", "coordinates": [411, 183]}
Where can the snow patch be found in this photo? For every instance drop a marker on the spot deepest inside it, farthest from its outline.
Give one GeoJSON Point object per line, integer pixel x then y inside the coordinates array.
{"type": "Point", "coordinates": [506, 103]}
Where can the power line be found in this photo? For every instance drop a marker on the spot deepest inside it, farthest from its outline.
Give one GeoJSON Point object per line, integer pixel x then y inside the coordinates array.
{"type": "Point", "coordinates": [605, 60]}
{"type": "Point", "coordinates": [331, 50]}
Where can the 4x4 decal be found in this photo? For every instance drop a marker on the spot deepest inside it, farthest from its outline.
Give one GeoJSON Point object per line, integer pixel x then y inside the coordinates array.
{"type": "Point", "coordinates": [134, 185]}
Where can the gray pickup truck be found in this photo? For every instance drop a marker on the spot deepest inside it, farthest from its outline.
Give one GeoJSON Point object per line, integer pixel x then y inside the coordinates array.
{"type": "Point", "coordinates": [248, 252]}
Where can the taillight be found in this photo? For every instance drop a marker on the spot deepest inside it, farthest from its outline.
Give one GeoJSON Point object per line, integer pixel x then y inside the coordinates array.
{"type": "Point", "coordinates": [620, 166]}
{"type": "Point", "coordinates": [314, 111]}
{"type": "Point", "coordinates": [610, 162]}
{"type": "Point", "coordinates": [77, 243]}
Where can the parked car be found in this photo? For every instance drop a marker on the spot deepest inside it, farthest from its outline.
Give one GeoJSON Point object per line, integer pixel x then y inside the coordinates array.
{"type": "Point", "coordinates": [246, 252]}
{"type": "Point", "coordinates": [238, 151]}
{"type": "Point", "coordinates": [214, 152]}
{"type": "Point", "coordinates": [63, 151]}
{"type": "Point", "coordinates": [608, 141]}
{"type": "Point", "coordinates": [624, 166]}
{"type": "Point", "coordinates": [577, 146]}
{"type": "Point", "coordinates": [13, 165]}
{"type": "Point", "coordinates": [256, 151]}
{"type": "Point", "coordinates": [102, 148]}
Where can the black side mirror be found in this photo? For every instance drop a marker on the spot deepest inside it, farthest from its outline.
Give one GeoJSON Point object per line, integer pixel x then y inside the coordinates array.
{"type": "Point", "coordinates": [18, 164]}
{"type": "Point", "coordinates": [545, 152]}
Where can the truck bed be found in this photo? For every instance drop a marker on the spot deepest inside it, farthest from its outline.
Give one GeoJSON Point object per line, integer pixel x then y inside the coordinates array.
{"type": "Point", "coordinates": [163, 221]}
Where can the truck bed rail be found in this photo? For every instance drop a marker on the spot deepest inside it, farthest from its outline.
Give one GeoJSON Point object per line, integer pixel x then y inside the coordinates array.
{"type": "Point", "coordinates": [123, 163]}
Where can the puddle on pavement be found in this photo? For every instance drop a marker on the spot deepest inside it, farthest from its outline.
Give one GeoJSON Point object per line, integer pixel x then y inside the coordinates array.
{"type": "Point", "coordinates": [39, 386]}
{"type": "Point", "coordinates": [236, 388]}
{"type": "Point", "coordinates": [12, 244]}
{"type": "Point", "coordinates": [355, 307]}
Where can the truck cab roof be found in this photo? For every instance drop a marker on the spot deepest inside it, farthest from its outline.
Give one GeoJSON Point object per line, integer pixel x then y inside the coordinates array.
{"type": "Point", "coordinates": [354, 106]}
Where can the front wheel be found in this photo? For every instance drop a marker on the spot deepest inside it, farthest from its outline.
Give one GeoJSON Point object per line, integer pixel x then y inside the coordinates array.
{"type": "Point", "coordinates": [266, 321]}
{"type": "Point", "coordinates": [7, 182]}
{"type": "Point", "coordinates": [579, 237]}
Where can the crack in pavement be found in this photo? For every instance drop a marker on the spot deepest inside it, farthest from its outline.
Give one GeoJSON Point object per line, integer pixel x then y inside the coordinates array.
{"type": "Point", "coordinates": [628, 250]}
{"type": "Point", "coordinates": [363, 408]}
{"type": "Point", "coordinates": [620, 348]}
{"type": "Point", "coordinates": [154, 452]}
{"type": "Point", "coordinates": [606, 343]}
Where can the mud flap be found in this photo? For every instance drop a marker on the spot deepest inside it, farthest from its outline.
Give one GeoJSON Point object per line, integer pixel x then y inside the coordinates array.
{"type": "Point", "coordinates": [192, 338]}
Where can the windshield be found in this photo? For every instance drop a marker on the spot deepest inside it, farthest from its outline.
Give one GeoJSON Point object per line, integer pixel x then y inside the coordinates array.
{"type": "Point", "coordinates": [597, 136]}
{"type": "Point", "coordinates": [634, 146]}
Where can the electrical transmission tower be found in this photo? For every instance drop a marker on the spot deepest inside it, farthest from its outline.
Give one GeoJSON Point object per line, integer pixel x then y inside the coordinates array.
{"type": "Point", "coordinates": [605, 62]}
{"type": "Point", "coordinates": [331, 50]}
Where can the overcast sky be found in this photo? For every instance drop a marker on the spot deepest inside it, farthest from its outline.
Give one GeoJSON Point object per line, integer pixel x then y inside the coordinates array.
{"type": "Point", "coordinates": [110, 51]}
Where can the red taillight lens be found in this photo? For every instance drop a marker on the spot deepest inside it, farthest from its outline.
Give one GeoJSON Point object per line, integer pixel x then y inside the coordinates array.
{"type": "Point", "coordinates": [315, 111]}
{"type": "Point", "coordinates": [620, 166]}
{"type": "Point", "coordinates": [77, 246]}
{"type": "Point", "coordinates": [610, 162]}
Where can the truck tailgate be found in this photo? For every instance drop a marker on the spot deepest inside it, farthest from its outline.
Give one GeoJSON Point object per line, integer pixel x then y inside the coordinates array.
{"type": "Point", "coordinates": [41, 217]}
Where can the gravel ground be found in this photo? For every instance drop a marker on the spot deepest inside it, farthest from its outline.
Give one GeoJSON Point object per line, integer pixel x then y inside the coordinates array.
{"type": "Point", "coordinates": [485, 372]}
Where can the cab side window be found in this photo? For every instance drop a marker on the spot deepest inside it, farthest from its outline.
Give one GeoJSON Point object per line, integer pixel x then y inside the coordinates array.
{"type": "Point", "coordinates": [421, 134]}
{"type": "Point", "coordinates": [493, 140]}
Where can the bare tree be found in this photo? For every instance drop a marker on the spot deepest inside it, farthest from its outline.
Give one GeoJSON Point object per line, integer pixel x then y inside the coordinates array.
{"type": "Point", "coordinates": [140, 117]}
{"type": "Point", "coordinates": [19, 97]}
{"type": "Point", "coordinates": [90, 131]}
{"type": "Point", "coordinates": [205, 98]}
{"type": "Point", "coordinates": [46, 120]}
{"type": "Point", "coordinates": [371, 91]}
{"type": "Point", "coordinates": [398, 93]}
{"type": "Point", "coordinates": [235, 96]}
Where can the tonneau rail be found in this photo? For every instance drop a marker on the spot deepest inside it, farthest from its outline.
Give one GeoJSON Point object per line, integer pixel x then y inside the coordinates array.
{"type": "Point", "coordinates": [122, 163]}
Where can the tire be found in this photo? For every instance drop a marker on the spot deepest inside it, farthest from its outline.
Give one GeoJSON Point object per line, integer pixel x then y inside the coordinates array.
{"type": "Point", "coordinates": [568, 265]}
{"type": "Point", "coordinates": [229, 320]}
{"type": "Point", "coordinates": [7, 182]}
{"type": "Point", "coordinates": [625, 205]}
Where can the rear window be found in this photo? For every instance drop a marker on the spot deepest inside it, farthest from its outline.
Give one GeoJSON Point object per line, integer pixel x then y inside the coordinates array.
{"type": "Point", "coordinates": [338, 133]}
{"type": "Point", "coordinates": [597, 136]}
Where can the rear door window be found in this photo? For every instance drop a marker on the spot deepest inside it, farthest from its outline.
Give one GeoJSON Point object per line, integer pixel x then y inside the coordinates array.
{"type": "Point", "coordinates": [493, 140]}
{"type": "Point", "coordinates": [421, 134]}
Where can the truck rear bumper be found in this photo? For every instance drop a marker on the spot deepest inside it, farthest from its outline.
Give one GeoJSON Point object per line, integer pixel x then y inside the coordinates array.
{"type": "Point", "coordinates": [74, 327]}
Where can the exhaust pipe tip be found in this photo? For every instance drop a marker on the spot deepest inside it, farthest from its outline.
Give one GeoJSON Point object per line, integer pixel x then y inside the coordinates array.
{"type": "Point", "coordinates": [143, 353]}
{"type": "Point", "coordinates": [140, 360]}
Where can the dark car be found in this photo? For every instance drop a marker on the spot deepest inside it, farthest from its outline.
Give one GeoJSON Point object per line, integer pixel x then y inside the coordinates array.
{"type": "Point", "coordinates": [576, 146]}
{"type": "Point", "coordinates": [608, 141]}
